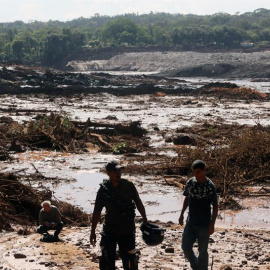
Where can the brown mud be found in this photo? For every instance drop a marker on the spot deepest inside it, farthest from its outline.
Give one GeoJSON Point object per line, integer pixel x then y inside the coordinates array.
{"type": "Point", "coordinates": [157, 134]}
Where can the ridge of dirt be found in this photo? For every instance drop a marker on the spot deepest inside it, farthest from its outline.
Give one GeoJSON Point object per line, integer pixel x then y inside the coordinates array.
{"type": "Point", "coordinates": [183, 64]}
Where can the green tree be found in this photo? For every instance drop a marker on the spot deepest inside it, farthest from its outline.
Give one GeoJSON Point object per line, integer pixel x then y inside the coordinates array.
{"type": "Point", "coordinates": [17, 49]}
{"type": "Point", "coordinates": [114, 29]}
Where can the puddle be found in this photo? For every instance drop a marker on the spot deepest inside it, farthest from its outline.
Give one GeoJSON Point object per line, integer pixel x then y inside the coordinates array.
{"type": "Point", "coordinates": [161, 202]}
{"type": "Point", "coordinates": [82, 192]}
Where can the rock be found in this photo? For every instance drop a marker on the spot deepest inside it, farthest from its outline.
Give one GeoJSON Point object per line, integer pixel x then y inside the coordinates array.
{"type": "Point", "coordinates": [169, 250]}
{"type": "Point", "coordinates": [159, 94]}
{"type": "Point", "coordinates": [225, 267]}
{"type": "Point", "coordinates": [211, 240]}
{"type": "Point", "coordinates": [183, 139]}
{"type": "Point", "coordinates": [19, 256]}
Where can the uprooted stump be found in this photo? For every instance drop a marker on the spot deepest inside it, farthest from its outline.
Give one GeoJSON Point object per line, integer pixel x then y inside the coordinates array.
{"type": "Point", "coordinates": [20, 204]}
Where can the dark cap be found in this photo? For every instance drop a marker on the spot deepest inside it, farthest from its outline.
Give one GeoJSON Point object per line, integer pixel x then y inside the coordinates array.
{"type": "Point", "coordinates": [198, 164]}
{"type": "Point", "coordinates": [113, 165]}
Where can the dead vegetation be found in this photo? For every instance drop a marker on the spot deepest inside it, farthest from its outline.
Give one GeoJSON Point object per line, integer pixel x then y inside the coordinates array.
{"type": "Point", "coordinates": [20, 202]}
{"type": "Point", "coordinates": [237, 157]}
{"type": "Point", "coordinates": [59, 132]}
{"type": "Point", "coordinates": [230, 91]}
{"type": "Point", "coordinates": [236, 161]}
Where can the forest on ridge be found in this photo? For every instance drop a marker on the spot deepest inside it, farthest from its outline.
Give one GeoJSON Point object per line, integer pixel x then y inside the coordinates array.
{"type": "Point", "coordinates": [50, 42]}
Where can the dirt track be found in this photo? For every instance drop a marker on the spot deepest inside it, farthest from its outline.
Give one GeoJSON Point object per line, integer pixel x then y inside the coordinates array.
{"type": "Point", "coordinates": [238, 249]}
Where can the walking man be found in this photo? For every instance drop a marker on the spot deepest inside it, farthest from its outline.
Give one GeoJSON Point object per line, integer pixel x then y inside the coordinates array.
{"type": "Point", "coordinates": [120, 198]}
{"type": "Point", "coordinates": [200, 194]}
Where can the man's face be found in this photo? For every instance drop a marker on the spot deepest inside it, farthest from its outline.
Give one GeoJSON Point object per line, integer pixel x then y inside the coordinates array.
{"type": "Point", "coordinates": [47, 207]}
{"type": "Point", "coordinates": [115, 174]}
{"type": "Point", "coordinates": [199, 174]}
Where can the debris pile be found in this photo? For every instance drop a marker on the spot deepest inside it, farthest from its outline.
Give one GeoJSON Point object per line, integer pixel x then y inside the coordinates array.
{"type": "Point", "coordinates": [20, 203]}
{"type": "Point", "coordinates": [229, 90]}
{"type": "Point", "coordinates": [59, 132]}
{"type": "Point", "coordinates": [237, 157]}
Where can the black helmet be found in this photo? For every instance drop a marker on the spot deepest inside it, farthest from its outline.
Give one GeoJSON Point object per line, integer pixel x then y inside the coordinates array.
{"type": "Point", "coordinates": [152, 234]}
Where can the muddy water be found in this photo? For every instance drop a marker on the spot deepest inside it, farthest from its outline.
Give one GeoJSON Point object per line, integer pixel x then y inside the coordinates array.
{"type": "Point", "coordinates": [84, 173]}
{"type": "Point", "coordinates": [162, 202]}
{"type": "Point", "coordinates": [166, 113]}
{"type": "Point", "coordinates": [195, 82]}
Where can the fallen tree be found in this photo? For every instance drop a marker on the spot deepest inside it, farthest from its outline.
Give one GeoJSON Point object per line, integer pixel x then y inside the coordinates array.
{"type": "Point", "coordinates": [59, 132]}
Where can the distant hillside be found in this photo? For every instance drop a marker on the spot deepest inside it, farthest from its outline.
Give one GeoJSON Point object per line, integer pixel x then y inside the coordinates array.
{"type": "Point", "coordinates": [53, 42]}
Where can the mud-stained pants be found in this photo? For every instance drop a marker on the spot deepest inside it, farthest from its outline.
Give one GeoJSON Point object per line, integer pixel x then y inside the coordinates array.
{"type": "Point", "coordinates": [127, 251]}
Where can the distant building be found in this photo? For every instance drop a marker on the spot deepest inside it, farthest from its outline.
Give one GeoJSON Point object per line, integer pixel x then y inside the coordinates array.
{"type": "Point", "coordinates": [247, 44]}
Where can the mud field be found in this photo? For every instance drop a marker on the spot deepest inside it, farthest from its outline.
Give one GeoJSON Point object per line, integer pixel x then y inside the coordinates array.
{"type": "Point", "coordinates": [58, 130]}
{"type": "Point", "coordinates": [235, 65]}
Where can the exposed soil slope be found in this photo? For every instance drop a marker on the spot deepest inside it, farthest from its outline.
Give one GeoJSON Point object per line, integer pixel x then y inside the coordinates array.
{"type": "Point", "coordinates": [183, 64]}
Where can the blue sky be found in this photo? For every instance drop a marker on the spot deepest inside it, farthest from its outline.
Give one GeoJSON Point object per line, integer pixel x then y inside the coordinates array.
{"type": "Point", "coordinates": [63, 10]}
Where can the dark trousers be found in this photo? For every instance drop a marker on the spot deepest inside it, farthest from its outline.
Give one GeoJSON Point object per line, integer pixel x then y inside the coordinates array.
{"type": "Point", "coordinates": [127, 252]}
{"type": "Point", "coordinates": [44, 229]}
{"type": "Point", "coordinates": [190, 235]}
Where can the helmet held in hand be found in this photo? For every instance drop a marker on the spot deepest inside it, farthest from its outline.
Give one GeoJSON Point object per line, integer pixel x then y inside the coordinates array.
{"type": "Point", "coordinates": [152, 234]}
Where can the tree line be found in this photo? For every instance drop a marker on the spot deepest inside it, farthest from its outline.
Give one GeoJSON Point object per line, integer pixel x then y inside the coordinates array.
{"type": "Point", "coordinates": [52, 41]}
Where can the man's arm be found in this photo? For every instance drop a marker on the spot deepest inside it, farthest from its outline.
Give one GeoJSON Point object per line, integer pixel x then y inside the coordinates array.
{"type": "Point", "coordinates": [141, 209]}
{"type": "Point", "coordinates": [214, 217]}
{"type": "Point", "coordinates": [95, 219]}
{"type": "Point", "coordinates": [57, 216]}
{"type": "Point", "coordinates": [41, 218]}
{"type": "Point", "coordinates": [185, 206]}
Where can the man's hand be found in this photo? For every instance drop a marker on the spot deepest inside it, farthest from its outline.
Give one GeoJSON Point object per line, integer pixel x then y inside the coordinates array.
{"type": "Point", "coordinates": [93, 238]}
{"type": "Point", "coordinates": [145, 221]}
{"type": "Point", "coordinates": [181, 220]}
{"type": "Point", "coordinates": [53, 224]}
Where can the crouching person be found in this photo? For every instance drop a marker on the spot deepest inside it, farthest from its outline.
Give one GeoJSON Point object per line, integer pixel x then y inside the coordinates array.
{"type": "Point", "coordinates": [50, 219]}
{"type": "Point", "coordinates": [120, 198]}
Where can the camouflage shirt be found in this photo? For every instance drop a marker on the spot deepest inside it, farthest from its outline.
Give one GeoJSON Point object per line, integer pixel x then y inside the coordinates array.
{"type": "Point", "coordinates": [200, 198]}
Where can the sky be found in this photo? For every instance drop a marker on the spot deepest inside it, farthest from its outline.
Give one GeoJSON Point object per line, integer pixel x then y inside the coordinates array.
{"type": "Point", "coordinates": [65, 10]}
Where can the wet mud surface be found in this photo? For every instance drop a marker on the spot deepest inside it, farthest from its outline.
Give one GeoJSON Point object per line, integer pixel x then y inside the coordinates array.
{"type": "Point", "coordinates": [212, 114]}
{"type": "Point", "coordinates": [236, 248]}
